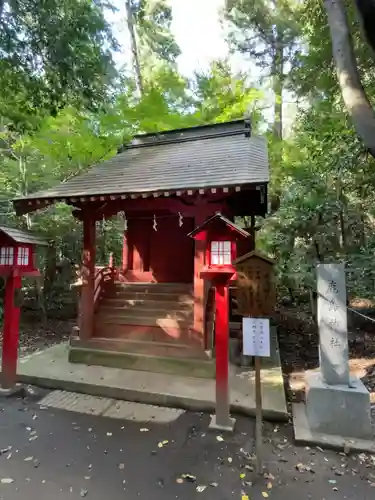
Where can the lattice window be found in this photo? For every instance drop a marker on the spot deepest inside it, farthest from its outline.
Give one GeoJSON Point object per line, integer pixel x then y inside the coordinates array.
{"type": "Point", "coordinates": [221, 252]}
{"type": "Point", "coordinates": [6, 256]}
{"type": "Point", "coordinates": [23, 256]}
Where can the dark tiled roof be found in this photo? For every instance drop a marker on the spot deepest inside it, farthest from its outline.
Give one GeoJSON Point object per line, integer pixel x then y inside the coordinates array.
{"type": "Point", "coordinates": [19, 236]}
{"type": "Point", "coordinates": [199, 157]}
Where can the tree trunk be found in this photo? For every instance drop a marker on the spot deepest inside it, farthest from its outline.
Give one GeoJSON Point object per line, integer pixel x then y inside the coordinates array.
{"type": "Point", "coordinates": [133, 45]}
{"type": "Point", "coordinates": [354, 96]}
{"type": "Point", "coordinates": [278, 82]}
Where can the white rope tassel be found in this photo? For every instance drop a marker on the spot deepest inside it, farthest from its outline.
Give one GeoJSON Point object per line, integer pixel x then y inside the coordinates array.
{"type": "Point", "coordinates": [155, 224]}
{"type": "Point", "coordinates": [125, 221]}
{"type": "Point", "coordinates": [180, 219]}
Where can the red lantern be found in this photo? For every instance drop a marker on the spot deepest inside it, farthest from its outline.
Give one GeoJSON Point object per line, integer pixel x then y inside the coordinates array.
{"type": "Point", "coordinates": [17, 259]}
{"type": "Point", "coordinates": [221, 236]}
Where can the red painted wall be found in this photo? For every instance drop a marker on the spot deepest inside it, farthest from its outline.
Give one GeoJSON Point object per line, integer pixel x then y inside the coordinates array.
{"type": "Point", "coordinates": [165, 255]}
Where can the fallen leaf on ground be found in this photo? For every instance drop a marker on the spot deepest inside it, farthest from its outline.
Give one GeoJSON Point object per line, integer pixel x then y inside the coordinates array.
{"type": "Point", "coordinates": [230, 460]}
{"type": "Point", "coordinates": [28, 459]}
{"type": "Point", "coordinates": [264, 494]}
{"type": "Point", "coordinates": [244, 497]}
{"type": "Point", "coordinates": [242, 476]}
{"type": "Point", "coordinates": [109, 434]}
{"type": "Point", "coordinates": [144, 429]}
{"type": "Point", "coordinates": [179, 480]}
{"type": "Point", "coordinates": [201, 488]}
{"type": "Point", "coordinates": [219, 438]}
{"type": "Point", "coordinates": [214, 485]}
{"type": "Point", "coordinates": [7, 480]}
{"type": "Point", "coordinates": [332, 481]}
{"type": "Point", "coordinates": [87, 477]}
{"type": "Point", "coordinates": [83, 493]}
{"type": "Point", "coordinates": [33, 438]}
{"type": "Point", "coordinates": [269, 486]}
{"type": "Point", "coordinates": [268, 475]}
{"type": "Point", "coordinates": [189, 477]}
{"type": "Point", "coordinates": [162, 443]}
{"type": "Point", "coordinates": [121, 466]}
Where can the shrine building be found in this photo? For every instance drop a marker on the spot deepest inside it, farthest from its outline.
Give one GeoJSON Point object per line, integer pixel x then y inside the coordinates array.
{"type": "Point", "coordinates": [154, 304]}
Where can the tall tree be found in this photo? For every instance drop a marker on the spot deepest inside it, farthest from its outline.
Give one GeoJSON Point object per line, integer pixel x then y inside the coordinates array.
{"type": "Point", "coordinates": [55, 52]}
{"type": "Point", "coordinates": [268, 33]}
{"type": "Point", "coordinates": [356, 101]}
{"type": "Point", "coordinates": [130, 19]}
{"type": "Point", "coordinates": [149, 26]}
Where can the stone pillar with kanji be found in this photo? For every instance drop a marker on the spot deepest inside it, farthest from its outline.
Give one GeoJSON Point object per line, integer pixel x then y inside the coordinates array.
{"type": "Point", "coordinates": [337, 409]}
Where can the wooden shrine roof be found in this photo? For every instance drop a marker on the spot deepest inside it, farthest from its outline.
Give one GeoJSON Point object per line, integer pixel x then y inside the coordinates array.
{"type": "Point", "coordinates": [19, 236]}
{"type": "Point", "coordinates": [223, 155]}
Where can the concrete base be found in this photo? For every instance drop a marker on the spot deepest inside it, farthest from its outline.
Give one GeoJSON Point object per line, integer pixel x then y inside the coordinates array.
{"type": "Point", "coordinates": [214, 426]}
{"type": "Point", "coordinates": [338, 410]}
{"type": "Point", "coordinates": [51, 369]}
{"type": "Point", "coordinates": [17, 391]}
{"type": "Point", "coordinates": [304, 434]}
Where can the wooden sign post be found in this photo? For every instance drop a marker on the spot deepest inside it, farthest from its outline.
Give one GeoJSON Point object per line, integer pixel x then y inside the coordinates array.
{"type": "Point", "coordinates": [255, 298]}
{"type": "Point", "coordinates": [256, 342]}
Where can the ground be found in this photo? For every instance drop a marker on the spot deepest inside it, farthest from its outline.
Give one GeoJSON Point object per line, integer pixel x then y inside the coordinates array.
{"type": "Point", "coordinates": [52, 453]}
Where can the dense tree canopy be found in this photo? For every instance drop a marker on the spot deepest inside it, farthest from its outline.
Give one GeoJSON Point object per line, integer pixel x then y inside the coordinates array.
{"type": "Point", "coordinates": [63, 108]}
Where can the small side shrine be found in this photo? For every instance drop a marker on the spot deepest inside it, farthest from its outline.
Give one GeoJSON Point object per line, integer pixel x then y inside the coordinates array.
{"type": "Point", "coordinates": [17, 259]}
{"type": "Point", "coordinates": [220, 237]}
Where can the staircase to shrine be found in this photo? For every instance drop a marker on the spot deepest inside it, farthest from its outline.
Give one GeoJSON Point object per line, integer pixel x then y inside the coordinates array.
{"type": "Point", "coordinates": [145, 326]}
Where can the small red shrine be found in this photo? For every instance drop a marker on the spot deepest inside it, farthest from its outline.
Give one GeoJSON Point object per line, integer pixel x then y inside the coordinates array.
{"type": "Point", "coordinates": [154, 302]}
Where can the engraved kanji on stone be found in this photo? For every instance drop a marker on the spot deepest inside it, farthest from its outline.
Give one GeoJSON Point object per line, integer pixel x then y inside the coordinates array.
{"type": "Point", "coordinates": [332, 287]}
{"type": "Point", "coordinates": [335, 342]}
{"type": "Point", "coordinates": [333, 306]}
{"type": "Point", "coordinates": [332, 322]}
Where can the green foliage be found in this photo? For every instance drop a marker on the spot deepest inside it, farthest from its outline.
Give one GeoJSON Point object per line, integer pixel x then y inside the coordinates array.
{"type": "Point", "coordinates": [222, 96]}
{"type": "Point", "coordinates": [153, 19]}
{"type": "Point", "coordinates": [58, 118]}
{"type": "Point", "coordinates": [53, 53]}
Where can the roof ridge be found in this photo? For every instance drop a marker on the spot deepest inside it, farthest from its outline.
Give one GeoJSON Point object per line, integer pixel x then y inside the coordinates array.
{"type": "Point", "coordinates": [178, 140]}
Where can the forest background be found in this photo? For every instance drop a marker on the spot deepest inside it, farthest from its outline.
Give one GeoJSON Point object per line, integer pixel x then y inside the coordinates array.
{"type": "Point", "coordinates": [65, 105]}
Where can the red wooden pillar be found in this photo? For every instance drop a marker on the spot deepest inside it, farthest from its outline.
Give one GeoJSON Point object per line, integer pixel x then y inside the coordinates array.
{"type": "Point", "coordinates": [10, 332]}
{"type": "Point", "coordinates": [199, 261]}
{"type": "Point", "coordinates": [125, 262]}
{"type": "Point", "coordinates": [88, 279]}
{"type": "Point", "coordinates": [222, 419]}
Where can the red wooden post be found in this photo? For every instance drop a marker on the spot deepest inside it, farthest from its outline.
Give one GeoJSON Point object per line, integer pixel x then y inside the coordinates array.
{"type": "Point", "coordinates": [88, 279]}
{"type": "Point", "coordinates": [222, 355]}
{"type": "Point", "coordinates": [125, 253]}
{"type": "Point", "coordinates": [199, 261]}
{"type": "Point", "coordinates": [10, 333]}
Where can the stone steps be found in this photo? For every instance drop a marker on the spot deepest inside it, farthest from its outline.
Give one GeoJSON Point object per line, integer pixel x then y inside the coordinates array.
{"type": "Point", "coordinates": [111, 318]}
{"type": "Point", "coordinates": [162, 296]}
{"type": "Point", "coordinates": [144, 347]}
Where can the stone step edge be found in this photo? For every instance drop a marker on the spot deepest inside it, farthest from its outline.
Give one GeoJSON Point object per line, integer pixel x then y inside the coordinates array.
{"type": "Point", "coordinates": [76, 342]}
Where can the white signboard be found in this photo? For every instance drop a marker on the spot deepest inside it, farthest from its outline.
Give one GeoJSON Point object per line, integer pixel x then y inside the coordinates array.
{"type": "Point", "coordinates": [256, 337]}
